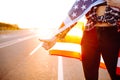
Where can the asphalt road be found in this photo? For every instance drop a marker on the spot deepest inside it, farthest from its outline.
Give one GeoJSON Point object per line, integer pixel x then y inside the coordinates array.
{"type": "Point", "coordinates": [22, 58]}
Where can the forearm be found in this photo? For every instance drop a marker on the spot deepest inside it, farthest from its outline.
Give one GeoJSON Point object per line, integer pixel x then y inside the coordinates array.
{"type": "Point", "coordinates": [63, 33]}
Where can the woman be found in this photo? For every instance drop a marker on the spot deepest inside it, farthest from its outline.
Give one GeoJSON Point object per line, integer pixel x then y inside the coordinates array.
{"type": "Point", "coordinates": [101, 37]}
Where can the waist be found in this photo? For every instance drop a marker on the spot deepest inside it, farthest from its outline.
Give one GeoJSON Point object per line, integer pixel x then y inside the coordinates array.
{"type": "Point", "coordinates": [108, 28]}
{"type": "Point", "coordinates": [103, 25]}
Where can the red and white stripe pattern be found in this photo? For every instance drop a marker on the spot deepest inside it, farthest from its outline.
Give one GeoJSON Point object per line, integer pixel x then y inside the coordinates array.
{"type": "Point", "coordinates": [118, 65]}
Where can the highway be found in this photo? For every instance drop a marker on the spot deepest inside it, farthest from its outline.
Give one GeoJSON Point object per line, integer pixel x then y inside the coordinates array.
{"type": "Point", "coordinates": [23, 58]}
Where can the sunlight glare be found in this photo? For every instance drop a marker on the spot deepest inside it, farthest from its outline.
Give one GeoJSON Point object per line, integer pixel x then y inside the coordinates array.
{"type": "Point", "coordinates": [34, 13]}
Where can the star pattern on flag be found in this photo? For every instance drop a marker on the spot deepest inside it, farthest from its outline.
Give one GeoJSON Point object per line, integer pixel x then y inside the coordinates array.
{"type": "Point", "coordinates": [83, 7]}
{"type": "Point", "coordinates": [79, 7]}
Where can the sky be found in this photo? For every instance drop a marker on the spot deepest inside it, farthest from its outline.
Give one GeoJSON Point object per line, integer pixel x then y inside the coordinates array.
{"type": "Point", "coordinates": [35, 13]}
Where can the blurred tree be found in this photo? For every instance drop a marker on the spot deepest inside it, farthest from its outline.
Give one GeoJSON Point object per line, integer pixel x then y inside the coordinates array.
{"type": "Point", "coordinates": [7, 26]}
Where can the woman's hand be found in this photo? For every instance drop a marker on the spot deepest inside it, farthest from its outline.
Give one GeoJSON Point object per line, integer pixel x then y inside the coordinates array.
{"type": "Point", "coordinates": [48, 43]}
{"type": "Point", "coordinates": [114, 3]}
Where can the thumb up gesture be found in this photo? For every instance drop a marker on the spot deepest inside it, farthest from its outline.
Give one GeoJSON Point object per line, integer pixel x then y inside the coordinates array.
{"type": "Point", "coordinates": [48, 43]}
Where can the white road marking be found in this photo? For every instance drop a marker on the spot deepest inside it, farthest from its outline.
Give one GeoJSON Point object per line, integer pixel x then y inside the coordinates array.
{"type": "Point", "coordinates": [60, 62]}
{"type": "Point", "coordinates": [8, 43]}
{"type": "Point", "coordinates": [60, 68]}
{"type": "Point", "coordinates": [40, 45]}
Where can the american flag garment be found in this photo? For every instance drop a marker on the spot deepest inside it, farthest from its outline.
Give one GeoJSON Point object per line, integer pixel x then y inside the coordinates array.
{"type": "Point", "coordinates": [78, 10]}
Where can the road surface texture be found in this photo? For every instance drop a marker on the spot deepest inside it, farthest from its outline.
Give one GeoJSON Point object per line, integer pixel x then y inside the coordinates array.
{"type": "Point", "coordinates": [23, 58]}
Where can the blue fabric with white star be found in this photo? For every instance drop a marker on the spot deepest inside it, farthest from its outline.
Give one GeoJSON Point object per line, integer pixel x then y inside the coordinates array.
{"type": "Point", "coordinates": [80, 6]}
